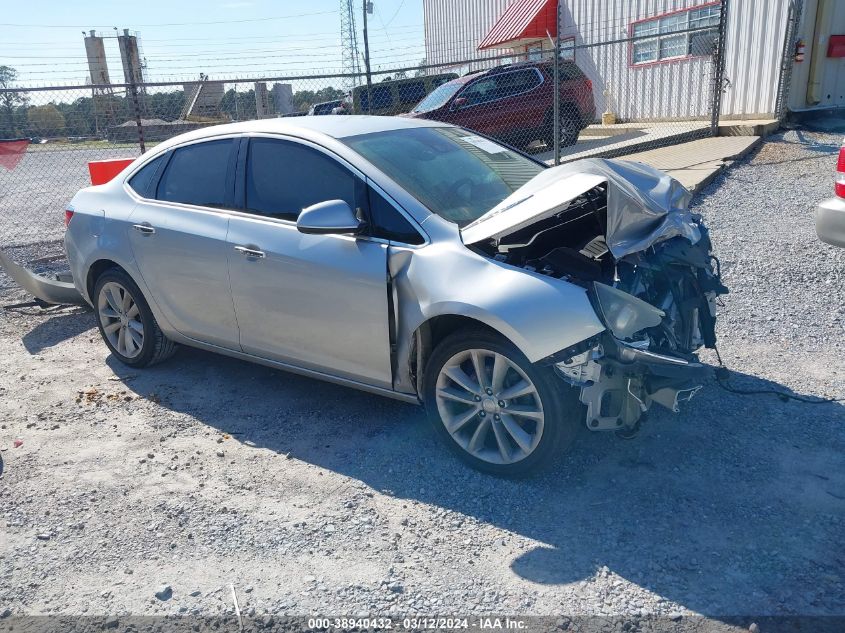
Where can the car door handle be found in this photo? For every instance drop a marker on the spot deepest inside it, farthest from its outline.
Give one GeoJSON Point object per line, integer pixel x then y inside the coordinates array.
{"type": "Point", "coordinates": [250, 252]}
{"type": "Point", "coordinates": [146, 229]}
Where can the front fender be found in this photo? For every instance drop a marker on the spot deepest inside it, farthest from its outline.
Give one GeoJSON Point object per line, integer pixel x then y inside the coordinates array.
{"type": "Point", "coordinates": [539, 314]}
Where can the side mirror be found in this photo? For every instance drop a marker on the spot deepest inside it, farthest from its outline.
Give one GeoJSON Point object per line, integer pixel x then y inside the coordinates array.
{"type": "Point", "coordinates": [459, 103]}
{"type": "Point", "coordinates": [327, 218]}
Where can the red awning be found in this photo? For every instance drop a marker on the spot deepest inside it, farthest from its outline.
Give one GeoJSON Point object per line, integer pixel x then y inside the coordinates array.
{"type": "Point", "coordinates": [522, 22]}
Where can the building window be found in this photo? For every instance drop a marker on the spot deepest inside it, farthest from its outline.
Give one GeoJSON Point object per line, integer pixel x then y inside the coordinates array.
{"type": "Point", "coordinates": [535, 52]}
{"type": "Point", "coordinates": [664, 37]}
{"type": "Point", "coordinates": [567, 49]}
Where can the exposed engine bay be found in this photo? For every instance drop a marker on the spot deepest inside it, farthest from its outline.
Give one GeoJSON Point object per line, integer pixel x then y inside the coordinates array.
{"type": "Point", "coordinates": [658, 302]}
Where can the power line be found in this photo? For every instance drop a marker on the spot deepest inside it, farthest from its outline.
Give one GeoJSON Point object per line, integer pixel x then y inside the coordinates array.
{"type": "Point", "coordinates": [85, 26]}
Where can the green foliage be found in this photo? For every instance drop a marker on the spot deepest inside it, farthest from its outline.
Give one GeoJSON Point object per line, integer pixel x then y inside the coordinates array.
{"type": "Point", "coordinates": [10, 124]}
{"type": "Point", "coordinates": [46, 120]}
{"type": "Point", "coordinates": [304, 99]}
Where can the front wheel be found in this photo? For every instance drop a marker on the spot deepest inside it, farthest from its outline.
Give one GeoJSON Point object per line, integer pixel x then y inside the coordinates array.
{"type": "Point", "coordinates": [497, 411]}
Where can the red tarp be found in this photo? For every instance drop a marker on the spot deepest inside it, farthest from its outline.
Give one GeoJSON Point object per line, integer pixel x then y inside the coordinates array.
{"type": "Point", "coordinates": [11, 152]}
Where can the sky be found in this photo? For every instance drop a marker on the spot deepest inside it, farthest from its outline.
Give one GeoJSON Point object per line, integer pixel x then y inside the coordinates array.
{"type": "Point", "coordinates": [180, 39]}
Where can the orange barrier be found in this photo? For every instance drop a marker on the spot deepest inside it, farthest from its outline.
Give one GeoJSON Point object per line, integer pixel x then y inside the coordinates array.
{"type": "Point", "coordinates": [104, 170]}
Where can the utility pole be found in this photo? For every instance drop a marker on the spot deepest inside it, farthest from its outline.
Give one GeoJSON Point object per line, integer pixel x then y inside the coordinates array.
{"type": "Point", "coordinates": [368, 8]}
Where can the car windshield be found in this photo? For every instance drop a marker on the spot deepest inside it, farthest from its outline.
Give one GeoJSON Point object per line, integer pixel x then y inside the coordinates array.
{"type": "Point", "coordinates": [438, 97]}
{"type": "Point", "coordinates": [455, 173]}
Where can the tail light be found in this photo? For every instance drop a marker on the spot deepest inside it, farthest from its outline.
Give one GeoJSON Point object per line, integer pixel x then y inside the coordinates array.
{"type": "Point", "coordinates": [589, 84]}
{"type": "Point", "coordinates": [840, 173]}
{"type": "Point", "coordinates": [68, 216]}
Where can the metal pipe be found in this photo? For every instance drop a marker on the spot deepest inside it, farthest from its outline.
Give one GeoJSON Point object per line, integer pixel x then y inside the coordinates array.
{"type": "Point", "coordinates": [367, 60]}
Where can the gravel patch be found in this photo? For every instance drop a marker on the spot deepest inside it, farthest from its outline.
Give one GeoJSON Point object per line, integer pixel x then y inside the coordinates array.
{"type": "Point", "coordinates": [207, 472]}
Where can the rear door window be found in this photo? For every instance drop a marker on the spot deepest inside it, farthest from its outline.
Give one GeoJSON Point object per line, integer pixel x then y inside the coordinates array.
{"type": "Point", "coordinates": [145, 178]}
{"type": "Point", "coordinates": [284, 177]}
{"type": "Point", "coordinates": [198, 174]}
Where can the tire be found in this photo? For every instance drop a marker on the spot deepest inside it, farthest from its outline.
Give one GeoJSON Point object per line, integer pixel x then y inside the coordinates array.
{"type": "Point", "coordinates": [126, 322]}
{"type": "Point", "coordinates": [526, 433]}
{"type": "Point", "coordinates": [570, 128]}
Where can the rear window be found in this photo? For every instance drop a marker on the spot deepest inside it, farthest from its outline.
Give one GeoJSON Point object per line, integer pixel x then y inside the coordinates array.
{"type": "Point", "coordinates": [569, 72]}
{"type": "Point", "coordinates": [144, 179]}
{"type": "Point", "coordinates": [197, 174]}
{"type": "Point", "coordinates": [412, 92]}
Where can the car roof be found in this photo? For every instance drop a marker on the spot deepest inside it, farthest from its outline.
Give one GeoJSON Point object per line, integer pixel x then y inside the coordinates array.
{"type": "Point", "coordinates": [309, 127]}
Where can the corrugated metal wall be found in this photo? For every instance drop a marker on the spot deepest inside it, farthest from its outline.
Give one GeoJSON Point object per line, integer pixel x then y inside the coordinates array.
{"type": "Point", "coordinates": [454, 28]}
{"type": "Point", "coordinates": [756, 30]}
{"type": "Point", "coordinates": [665, 90]}
{"type": "Point", "coordinates": [678, 89]}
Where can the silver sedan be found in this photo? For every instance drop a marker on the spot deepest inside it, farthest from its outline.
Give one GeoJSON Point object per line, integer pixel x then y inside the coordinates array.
{"type": "Point", "coordinates": [411, 259]}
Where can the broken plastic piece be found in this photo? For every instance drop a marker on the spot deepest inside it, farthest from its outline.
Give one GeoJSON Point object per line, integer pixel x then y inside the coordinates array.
{"type": "Point", "coordinates": [43, 288]}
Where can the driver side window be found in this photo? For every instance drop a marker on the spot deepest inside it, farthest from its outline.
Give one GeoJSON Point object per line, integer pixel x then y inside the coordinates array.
{"type": "Point", "coordinates": [284, 177]}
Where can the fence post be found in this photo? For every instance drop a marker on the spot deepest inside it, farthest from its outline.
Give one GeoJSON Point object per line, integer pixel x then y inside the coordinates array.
{"type": "Point", "coordinates": [557, 87]}
{"type": "Point", "coordinates": [719, 69]}
{"type": "Point", "coordinates": [787, 61]}
{"type": "Point", "coordinates": [133, 89]}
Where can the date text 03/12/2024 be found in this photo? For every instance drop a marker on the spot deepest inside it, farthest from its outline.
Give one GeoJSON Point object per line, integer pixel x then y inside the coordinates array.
{"type": "Point", "coordinates": [416, 623]}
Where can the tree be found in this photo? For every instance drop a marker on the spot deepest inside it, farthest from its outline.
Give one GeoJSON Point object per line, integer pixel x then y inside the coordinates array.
{"type": "Point", "coordinates": [420, 72]}
{"type": "Point", "coordinates": [46, 120]}
{"type": "Point", "coordinates": [9, 101]}
{"type": "Point", "coordinates": [304, 99]}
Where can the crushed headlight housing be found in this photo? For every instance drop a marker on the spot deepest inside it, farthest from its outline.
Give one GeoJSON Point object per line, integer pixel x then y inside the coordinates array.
{"type": "Point", "coordinates": [624, 314]}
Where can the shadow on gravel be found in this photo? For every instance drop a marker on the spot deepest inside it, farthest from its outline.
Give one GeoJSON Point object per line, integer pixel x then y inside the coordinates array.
{"type": "Point", "coordinates": [737, 491]}
{"type": "Point", "coordinates": [58, 328]}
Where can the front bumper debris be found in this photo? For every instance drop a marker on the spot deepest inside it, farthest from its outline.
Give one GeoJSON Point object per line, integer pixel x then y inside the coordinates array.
{"type": "Point", "coordinates": [44, 289]}
{"type": "Point", "coordinates": [619, 382]}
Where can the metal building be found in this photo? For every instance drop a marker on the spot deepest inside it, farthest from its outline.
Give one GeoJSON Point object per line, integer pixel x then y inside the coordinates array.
{"type": "Point", "coordinates": [455, 28]}
{"type": "Point", "coordinates": [818, 79]}
{"type": "Point", "coordinates": [653, 73]}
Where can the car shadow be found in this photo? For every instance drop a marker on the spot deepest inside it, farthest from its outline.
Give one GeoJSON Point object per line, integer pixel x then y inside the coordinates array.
{"type": "Point", "coordinates": [586, 143]}
{"type": "Point", "coordinates": [735, 487]}
{"type": "Point", "coordinates": [58, 328]}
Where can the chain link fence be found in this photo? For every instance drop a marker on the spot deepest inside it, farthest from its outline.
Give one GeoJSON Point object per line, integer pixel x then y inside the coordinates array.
{"type": "Point", "coordinates": [580, 95]}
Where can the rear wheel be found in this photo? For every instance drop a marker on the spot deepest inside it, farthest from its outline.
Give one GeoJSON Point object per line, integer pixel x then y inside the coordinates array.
{"type": "Point", "coordinates": [126, 322]}
{"type": "Point", "coordinates": [494, 409]}
{"type": "Point", "coordinates": [570, 128]}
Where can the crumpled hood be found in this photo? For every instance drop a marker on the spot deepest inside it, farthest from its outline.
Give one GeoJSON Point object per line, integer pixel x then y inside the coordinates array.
{"type": "Point", "coordinates": [644, 205]}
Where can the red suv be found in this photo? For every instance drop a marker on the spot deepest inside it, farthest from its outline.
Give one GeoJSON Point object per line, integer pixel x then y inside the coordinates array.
{"type": "Point", "coordinates": [515, 103]}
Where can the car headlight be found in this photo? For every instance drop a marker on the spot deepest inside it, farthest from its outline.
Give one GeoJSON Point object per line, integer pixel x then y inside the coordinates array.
{"type": "Point", "coordinates": [623, 313]}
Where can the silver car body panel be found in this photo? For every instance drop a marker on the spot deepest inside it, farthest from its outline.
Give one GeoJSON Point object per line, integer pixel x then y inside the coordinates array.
{"type": "Point", "coordinates": [644, 205]}
{"type": "Point", "coordinates": [43, 288]}
{"type": "Point", "coordinates": [830, 222]}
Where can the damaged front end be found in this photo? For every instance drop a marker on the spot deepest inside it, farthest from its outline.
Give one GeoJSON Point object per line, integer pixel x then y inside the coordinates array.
{"type": "Point", "coordinates": [624, 233]}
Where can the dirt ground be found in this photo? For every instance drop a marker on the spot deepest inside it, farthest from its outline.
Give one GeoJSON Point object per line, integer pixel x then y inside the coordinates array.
{"type": "Point", "coordinates": [309, 498]}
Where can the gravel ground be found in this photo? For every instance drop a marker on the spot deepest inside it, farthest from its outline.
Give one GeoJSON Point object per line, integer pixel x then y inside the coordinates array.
{"type": "Point", "coordinates": [312, 498]}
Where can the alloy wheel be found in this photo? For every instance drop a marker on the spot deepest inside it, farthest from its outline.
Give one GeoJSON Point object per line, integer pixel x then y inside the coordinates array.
{"type": "Point", "coordinates": [120, 318]}
{"type": "Point", "coordinates": [489, 406]}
